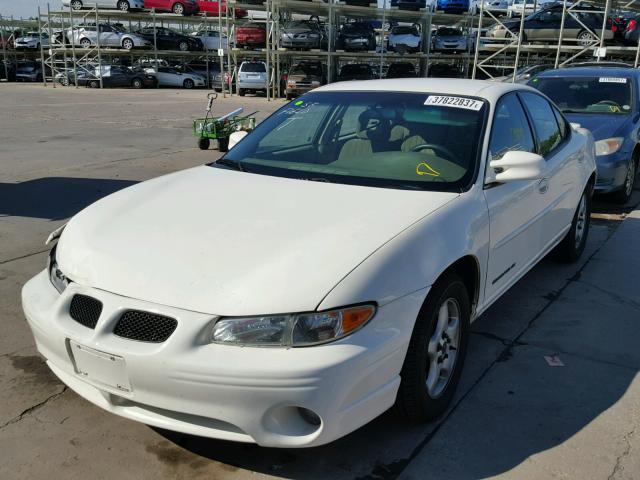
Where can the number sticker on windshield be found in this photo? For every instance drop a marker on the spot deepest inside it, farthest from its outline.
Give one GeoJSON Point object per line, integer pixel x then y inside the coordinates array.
{"type": "Point", "coordinates": [456, 102]}
{"type": "Point", "coordinates": [612, 80]}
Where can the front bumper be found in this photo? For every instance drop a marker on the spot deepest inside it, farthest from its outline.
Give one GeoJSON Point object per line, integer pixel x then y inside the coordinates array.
{"type": "Point", "coordinates": [231, 393]}
{"type": "Point", "coordinates": [299, 43]}
{"type": "Point", "coordinates": [612, 171]}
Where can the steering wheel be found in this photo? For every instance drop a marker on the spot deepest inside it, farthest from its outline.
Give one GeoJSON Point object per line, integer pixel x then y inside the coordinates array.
{"type": "Point", "coordinates": [608, 102]}
{"type": "Point", "coordinates": [437, 148]}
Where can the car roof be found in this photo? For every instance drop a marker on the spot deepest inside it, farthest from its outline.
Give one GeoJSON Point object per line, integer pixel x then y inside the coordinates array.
{"type": "Point", "coordinates": [590, 72]}
{"type": "Point", "coordinates": [448, 86]}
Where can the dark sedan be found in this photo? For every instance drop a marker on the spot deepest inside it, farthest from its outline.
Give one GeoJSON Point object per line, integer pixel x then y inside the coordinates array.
{"type": "Point", "coordinates": [356, 36]}
{"type": "Point", "coordinates": [302, 34]}
{"type": "Point", "coordinates": [605, 101]}
{"type": "Point", "coordinates": [401, 70]}
{"type": "Point", "coordinates": [167, 39]}
{"type": "Point", "coordinates": [116, 76]}
{"type": "Point", "coordinates": [356, 71]}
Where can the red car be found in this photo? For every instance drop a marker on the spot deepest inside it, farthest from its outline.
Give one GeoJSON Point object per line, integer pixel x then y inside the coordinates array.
{"type": "Point", "coordinates": [180, 7]}
{"type": "Point", "coordinates": [251, 35]}
{"type": "Point", "coordinates": [211, 8]}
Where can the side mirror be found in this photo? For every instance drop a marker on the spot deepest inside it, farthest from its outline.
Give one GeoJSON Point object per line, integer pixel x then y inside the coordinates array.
{"type": "Point", "coordinates": [235, 138]}
{"type": "Point", "coordinates": [516, 165]}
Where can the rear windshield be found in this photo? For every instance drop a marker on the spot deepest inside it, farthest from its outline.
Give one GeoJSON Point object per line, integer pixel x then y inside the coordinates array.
{"type": "Point", "coordinates": [387, 139]}
{"type": "Point", "coordinates": [405, 31]}
{"type": "Point", "coordinates": [449, 32]}
{"type": "Point", "coordinates": [402, 68]}
{"type": "Point", "coordinates": [308, 69]}
{"type": "Point", "coordinates": [356, 26]}
{"type": "Point", "coordinates": [253, 67]}
{"type": "Point", "coordinates": [604, 95]}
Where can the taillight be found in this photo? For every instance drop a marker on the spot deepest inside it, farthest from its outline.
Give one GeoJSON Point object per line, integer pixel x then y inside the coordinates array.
{"type": "Point", "coordinates": [631, 26]}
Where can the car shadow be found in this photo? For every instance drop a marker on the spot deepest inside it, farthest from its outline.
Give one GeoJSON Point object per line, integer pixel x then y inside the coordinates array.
{"type": "Point", "coordinates": [54, 198]}
{"type": "Point", "coordinates": [511, 405]}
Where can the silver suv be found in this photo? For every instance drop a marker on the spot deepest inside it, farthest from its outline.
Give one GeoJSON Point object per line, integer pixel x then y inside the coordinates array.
{"type": "Point", "coordinates": [252, 77]}
{"type": "Point", "coordinates": [123, 5]}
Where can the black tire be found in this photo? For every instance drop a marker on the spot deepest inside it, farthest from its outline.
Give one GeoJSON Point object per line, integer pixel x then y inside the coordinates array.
{"type": "Point", "coordinates": [85, 43]}
{"type": "Point", "coordinates": [585, 38]}
{"type": "Point", "coordinates": [127, 44]}
{"type": "Point", "coordinates": [137, 83]}
{"type": "Point", "coordinates": [571, 247]}
{"type": "Point", "coordinates": [183, 46]}
{"type": "Point", "coordinates": [94, 84]}
{"type": "Point", "coordinates": [223, 144]}
{"type": "Point", "coordinates": [204, 143]}
{"type": "Point", "coordinates": [289, 96]}
{"type": "Point", "coordinates": [241, 92]}
{"type": "Point", "coordinates": [178, 8]}
{"type": "Point", "coordinates": [76, 5]}
{"type": "Point", "coordinates": [123, 6]}
{"type": "Point", "coordinates": [414, 401]}
{"type": "Point", "coordinates": [623, 195]}
{"type": "Point", "coordinates": [188, 84]}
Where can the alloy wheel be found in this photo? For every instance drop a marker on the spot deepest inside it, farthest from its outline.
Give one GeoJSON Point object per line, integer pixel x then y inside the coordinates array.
{"type": "Point", "coordinates": [85, 43]}
{"type": "Point", "coordinates": [443, 348]}
{"type": "Point", "coordinates": [585, 39]}
{"type": "Point", "coordinates": [123, 6]}
{"type": "Point", "coordinates": [127, 44]}
{"type": "Point", "coordinates": [184, 46]}
{"type": "Point", "coordinates": [76, 5]}
{"type": "Point", "coordinates": [630, 180]}
{"type": "Point", "coordinates": [581, 221]}
{"type": "Point", "coordinates": [178, 9]}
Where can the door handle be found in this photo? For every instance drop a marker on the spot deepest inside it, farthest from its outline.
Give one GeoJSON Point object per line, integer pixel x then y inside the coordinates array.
{"type": "Point", "coordinates": [543, 185]}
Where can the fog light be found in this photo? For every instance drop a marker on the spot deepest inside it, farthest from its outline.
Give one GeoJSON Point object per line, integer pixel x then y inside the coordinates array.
{"type": "Point", "coordinates": [310, 417]}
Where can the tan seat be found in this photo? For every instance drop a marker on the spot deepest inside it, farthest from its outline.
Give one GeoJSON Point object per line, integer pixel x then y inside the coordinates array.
{"type": "Point", "coordinates": [412, 142]}
{"type": "Point", "coordinates": [356, 148]}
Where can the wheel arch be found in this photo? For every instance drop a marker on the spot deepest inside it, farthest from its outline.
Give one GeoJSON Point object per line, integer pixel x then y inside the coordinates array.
{"type": "Point", "coordinates": [468, 269]}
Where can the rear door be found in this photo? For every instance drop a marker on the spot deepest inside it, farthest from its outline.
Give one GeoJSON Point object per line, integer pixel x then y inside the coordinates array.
{"type": "Point", "coordinates": [515, 208]}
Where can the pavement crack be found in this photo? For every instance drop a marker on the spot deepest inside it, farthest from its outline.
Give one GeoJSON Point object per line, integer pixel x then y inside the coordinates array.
{"type": "Point", "coordinates": [615, 296]}
{"type": "Point", "coordinates": [2, 262]}
{"type": "Point", "coordinates": [34, 408]}
{"type": "Point", "coordinates": [618, 465]}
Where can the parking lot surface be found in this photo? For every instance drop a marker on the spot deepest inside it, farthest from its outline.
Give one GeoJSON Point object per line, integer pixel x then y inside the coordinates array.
{"type": "Point", "coordinates": [550, 388]}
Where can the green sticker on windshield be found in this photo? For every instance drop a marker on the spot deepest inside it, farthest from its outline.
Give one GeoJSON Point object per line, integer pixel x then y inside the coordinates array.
{"type": "Point", "coordinates": [298, 103]}
{"type": "Point", "coordinates": [535, 80]}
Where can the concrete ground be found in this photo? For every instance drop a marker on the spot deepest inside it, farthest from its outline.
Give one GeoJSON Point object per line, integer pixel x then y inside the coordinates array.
{"type": "Point", "coordinates": [515, 415]}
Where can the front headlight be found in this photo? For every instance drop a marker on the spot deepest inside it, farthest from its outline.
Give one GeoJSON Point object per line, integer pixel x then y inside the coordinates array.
{"type": "Point", "coordinates": [57, 278]}
{"type": "Point", "coordinates": [292, 330]}
{"type": "Point", "coordinates": [608, 146]}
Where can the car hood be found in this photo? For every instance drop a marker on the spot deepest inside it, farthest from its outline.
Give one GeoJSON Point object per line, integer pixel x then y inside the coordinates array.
{"type": "Point", "coordinates": [295, 31]}
{"type": "Point", "coordinates": [602, 126]}
{"type": "Point", "coordinates": [230, 243]}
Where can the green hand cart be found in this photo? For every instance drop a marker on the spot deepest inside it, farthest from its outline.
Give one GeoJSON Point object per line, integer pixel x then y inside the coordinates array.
{"type": "Point", "coordinates": [220, 128]}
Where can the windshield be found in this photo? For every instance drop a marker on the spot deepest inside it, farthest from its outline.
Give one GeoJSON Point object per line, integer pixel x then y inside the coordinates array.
{"type": "Point", "coordinates": [307, 69]}
{"type": "Point", "coordinates": [404, 31]}
{"type": "Point", "coordinates": [355, 68]}
{"type": "Point", "coordinates": [608, 95]}
{"type": "Point", "coordinates": [385, 139]}
{"type": "Point", "coordinates": [449, 32]}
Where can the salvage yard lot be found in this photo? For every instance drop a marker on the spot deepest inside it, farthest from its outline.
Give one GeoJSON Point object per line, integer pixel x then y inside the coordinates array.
{"type": "Point", "coordinates": [573, 414]}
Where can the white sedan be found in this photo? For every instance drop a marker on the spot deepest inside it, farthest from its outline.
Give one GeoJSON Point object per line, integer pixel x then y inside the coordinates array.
{"type": "Point", "coordinates": [32, 40]}
{"type": "Point", "coordinates": [170, 77]}
{"type": "Point", "coordinates": [325, 269]}
{"type": "Point", "coordinates": [212, 39]}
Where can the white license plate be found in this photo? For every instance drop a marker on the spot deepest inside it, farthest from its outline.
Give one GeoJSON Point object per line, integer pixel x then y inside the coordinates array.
{"type": "Point", "coordinates": [100, 367]}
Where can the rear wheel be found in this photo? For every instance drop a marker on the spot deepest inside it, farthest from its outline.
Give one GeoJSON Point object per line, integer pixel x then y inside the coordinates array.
{"type": "Point", "coordinates": [204, 143]}
{"type": "Point", "coordinates": [123, 6]}
{"type": "Point", "coordinates": [241, 92]}
{"type": "Point", "coordinates": [436, 353]}
{"type": "Point", "coordinates": [94, 84]}
{"type": "Point", "coordinates": [127, 44]}
{"type": "Point", "coordinates": [85, 43]}
{"type": "Point", "coordinates": [76, 5]}
{"type": "Point", "coordinates": [572, 246]}
{"type": "Point", "coordinates": [178, 9]}
{"type": "Point", "coordinates": [188, 84]}
{"type": "Point", "coordinates": [137, 83]}
{"type": "Point", "coordinates": [585, 38]}
{"type": "Point", "coordinates": [624, 195]}
{"type": "Point", "coordinates": [183, 46]}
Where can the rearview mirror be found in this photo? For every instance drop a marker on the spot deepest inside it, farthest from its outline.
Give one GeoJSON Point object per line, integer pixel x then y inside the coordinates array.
{"type": "Point", "coordinates": [235, 138]}
{"type": "Point", "coordinates": [517, 165]}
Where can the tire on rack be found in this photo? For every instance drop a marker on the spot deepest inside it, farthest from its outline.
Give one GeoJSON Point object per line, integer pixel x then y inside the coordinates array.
{"type": "Point", "coordinates": [188, 84]}
{"type": "Point", "coordinates": [137, 83]}
{"type": "Point", "coordinates": [572, 245]}
{"type": "Point", "coordinates": [438, 346]}
{"type": "Point", "coordinates": [241, 92]}
{"type": "Point", "coordinates": [94, 84]}
{"type": "Point", "coordinates": [204, 143]}
{"type": "Point", "coordinates": [183, 46]}
{"type": "Point", "coordinates": [123, 6]}
{"type": "Point", "coordinates": [127, 44]}
{"type": "Point", "coordinates": [585, 38]}
{"type": "Point", "coordinates": [85, 43]}
{"type": "Point", "coordinates": [178, 8]}
{"type": "Point", "coordinates": [623, 195]}
{"type": "Point", "coordinates": [76, 5]}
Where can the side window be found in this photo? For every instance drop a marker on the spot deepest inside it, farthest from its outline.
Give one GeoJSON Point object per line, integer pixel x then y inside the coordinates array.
{"type": "Point", "coordinates": [562, 123]}
{"type": "Point", "coordinates": [544, 122]}
{"type": "Point", "coordinates": [510, 129]}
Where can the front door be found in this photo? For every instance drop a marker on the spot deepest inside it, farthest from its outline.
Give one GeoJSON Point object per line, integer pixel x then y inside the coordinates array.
{"type": "Point", "coordinates": [515, 208]}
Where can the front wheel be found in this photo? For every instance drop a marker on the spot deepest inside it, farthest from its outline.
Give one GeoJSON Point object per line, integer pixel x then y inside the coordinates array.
{"type": "Point", "coordinates": [183, 46]}
{"type": "Point", "coordinates": [127, 44]}
{"type": "Point", "coordinates": [585, 38]}
{"type": "Point", "coordinates": [76, 5]}
{"type": "Point", "coordinates": [178, 9]}
{"type": "Point", "coordinates": [624, 195]}
{"type": "Point", "coordinates": [85, 43]}
{"type": "Point", "coordinates": [438, 346]}
{"type": "Point", "coordinates": [204, 143]}
{"type": "Point", "coordinates": [241, 92]}
{"type": "Point", "coordinates": [137, 84]}
{"type": "Point", "coordinates": [572, 245]}
{"type": "Point", "coordinates": [188, 84]}
{"type": "Point", "coordinates": [123, 6]}
{"type": "Point", "coordinates": [94, 84]}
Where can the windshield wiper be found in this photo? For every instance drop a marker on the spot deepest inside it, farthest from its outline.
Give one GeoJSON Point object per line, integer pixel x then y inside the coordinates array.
{"type": "Point", "coordinates": [316, 179]}
{"type": "Point", "coordinates": [231, 164]}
